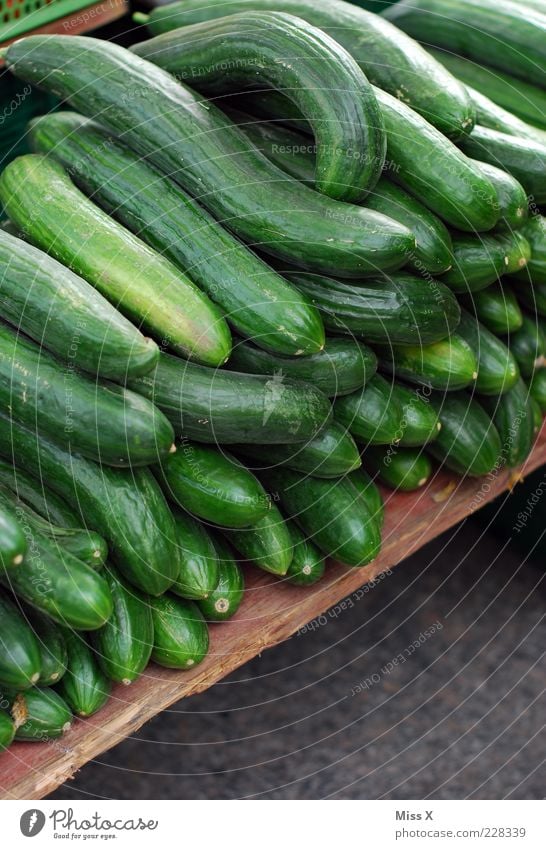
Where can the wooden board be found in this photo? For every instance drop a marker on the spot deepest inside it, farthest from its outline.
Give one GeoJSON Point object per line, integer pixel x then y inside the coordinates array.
{"type": "Point", "coordinates": [270, 613]}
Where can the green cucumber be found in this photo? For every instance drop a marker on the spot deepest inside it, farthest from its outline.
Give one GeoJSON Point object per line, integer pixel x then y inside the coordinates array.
{"type": "Point", "coordinates": [401, 469]}
{"type": "Point", "coordinates": [477, 262]}
{"type": "Point", "coordinates": [518, 251]}
{"type": "Point", "coordinates": [373, 415]}
{"type": "Point", "coordinates": [119, 502]}
{"type": "Point", "coordinates": [401, 308]}
{"type": "Point", "coordinates": [308, 565]}
{"type": "Point", "coordinates": [497, 308]}
{"type": "Point", "coordinates": [181, 637]}
{"type": "Point", "coordinates": [528, 345]}
{"type": "Point", "coordinates": [257, 302]}
{"type": "Point", "coordinates": [331, 454]}
{"type": "Point", "coordinates": [511, 196]}
{"type": "Point", "coordinates": [535, 232]}
{"type": "Point", "coordinates": [39, 196]}
{"type": "Point", "coordinates": [67, 316]}
{"type": "Point", "coordinates": [342, 366]}
{"type": "Point", "coordinates": [33, 492]}
{"type": "Point", "coordinates": [124, 644]}
{"type": "Point", "coordinates": [20, 659]}
{"type": "Point", "coordinates": [198, 560]}
{"type": "Point", "coordinates": [389, 58]}
{"type": "Point", "coordinates": [87, 546]}
{"type": "Point", "coordinates": [84, 686]}
{"type": "Point", "coordinates": [532, 295]}
{"type": "Point", "coordinates": [40, 714]}
{"type": "Point", "coordinates": [331, 512]}
{"type": "Point", "coordinates": [167, 123]}
{"type": "Point", "coordinates": [213, 485]}
{"type": "Point", "coordinates": [267, 544]}
{"type": "Point", "coordinates": [498, 370]}
{"type": "Point", "coordinates": [490, 114]}
{"type": "Point", "coordinates": [13, 543]}
{"type": "Point", "coordinates": [219, 406]}
{"type": "Point", "coordinates": [449, 364]}
{"type": "Point", "coordinates": [513, 417]}
{"type": "Point", "coordinates": [7, 731]}
{"type": "Point", "coordinates": [468, 442]}
{"type": "Point", "coordinates": [503, 34]}
{"type": "Point", "coordinates": [537, 388]}
{"type": "Point", "coordinates": [53, 653]}
{"type": "Point", "coordinates": [537, 413]}
{"type": "Point", "coordinates": [225, 599]}
{"type": "Point", "coordinates": [370, 493]}
{"type": "Point", "coordinates": [419, 423]}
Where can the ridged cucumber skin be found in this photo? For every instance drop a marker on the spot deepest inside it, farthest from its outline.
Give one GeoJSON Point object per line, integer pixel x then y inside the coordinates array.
{"type": "Point", "coordinates": [528, 345]}
{"type": "Point", "coordinates": [7, 731]}
{"type": "Point", "coordinates": [87, 546]}
{"type": "Point", "coordinates": [419, 423]}
{"type": "Point", "coordinates": [373, 416]}
{"type": "Point", "coordinates": [342, 366]}
{"type": "Point", "coordinates": [213, 485]}
{"type": "Point", "coordinates": [498, 370]}
{"type": "Point", "coordinates": [308, 564]}
{"type": "Point", "coordinates": [112, 426]}
{"type": "Point", "coordinates": [13, 543]}
{"type": "Point", "coordinates": [52, 644]}
{"type": "Point", "coordinates": [118, 502]}
{"type": "Point", "coordinates": [20, 659]}
{"type": "Point", "coordinates": [220, 406]}
{"type": "Point", "coordinates": [33, 492]}
{"type": "Point", "coordinates": [369, 492]}
{"type": "Point", "coordinates": [258, 303]}
{"type": "Point", "coordinates": [513, 417]}
{"type": "Point", "coordinates": [225, 599]}
{"type": "Point", "coordinates": [387, 56]}
{"type": "Point", "coordinates": [198, 573]}
{"type": "Point", "coordinates": [537, 413]}
{"type": "Point", "coordinates": [169, 124]}
{"type": "Point", "coordinates": [477, 262]}
{"type": "Point", "coordinates": [497, 308]}
{"type": "Point", "coordinates": [537, 388]}
{"type": "Point", "coordinates": [67, 316]}
{"type": "Point", "coordinates": [40, 714]}
{"type": "Point", "coordinates": [532, 295]}
{"type": "Point", "coordinates": [448, 365]}
{"type": "Point", "coordinates": [348, 120]}
{"type": "Point", "coordinates": [495, 117]}
{"type": "Point", "coordinates": [124, 644]}
{"type": "Point", "coordinates": [331, 513]}
{"type": "Point", "coordinates": [535, 232]}
{"type": "Point", "coordinates": [511, 197]}
{"type": "Point", "coordinates": [518, 251]}
{"type": "Point", "coordinates": [267, 544]}
{"type": "Point", "coordinates": [401, 308]}
{"type": "Point", "coordinates": [147, 288]}
{"type": "Point", "coordinates": [506, 35]}
{"type": "Point", "coordinates": [181, 636]}
{"type": "Point", "coordinates": [468, 442]}
{"type": "Point", "coordinates": [84, 686]}
{"type": "Point", "coordinates": [522, 158]}
{"type": "Point", "coordinates": [401, 469]}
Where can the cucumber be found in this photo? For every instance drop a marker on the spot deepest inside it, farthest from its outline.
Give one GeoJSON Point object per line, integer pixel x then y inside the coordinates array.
{"type": "Point", "coordinates": [218, 406]}
{"type": "Point", "coordinates": [124, 644]}
{"type": "Point", "coordinates": [13, 544]}
{"type": "Point", "coordinates": [478, 262]}
{"type": "Point", "coordinates": [67, 316]}
{"type": "Point", "coordinates": [20, 660]}
{"type": "Point", "coordinates": [35, 493]}
{"type": "Point", "coordinates": [213, 485]}
{"type": "Point", "coordinates": [535, 232]}
{"type": "Point", "coordinates": [84, 686]}
{"type": "Point", "coordinates": [167, 123]}
{"type": "Point", "coordinates": [537, 388]}
{"type": "Point", "coordinates": [181, 637]}
{"type": "Point", "coordinates": [518, 251]}
{"type": "Point", "coordinates": [267, 544]}
{"type": "Point", "coordinates": [198, 560]}
{"type": "Point", "coordinates": [117, 501]}
{"type": "Point", "coordinates": [449, 364]}
{"type": "Point", "coordinates": [498, 370]}
{"type": "Point", "coordinates": [325, 83]}
{"type": "Point", "coordinates": [40, 714]}
{"type": "Point", "coordinates": [401, 308]}
{"type": "Point", "coordinates": [257, 302]}
{"type": "Point", "coordinates": [532, 295]}
{"type": "Point", "coordinates": [7, 730]}
{"type": "Point", "coordinates": [419, 423]}
{"type": "Point", "coordinates": [401, 469]}
{"type": "Point", "coordinates": [51, 641]}
{"type": "Point", "coordinates": [331, 513]}
{"type": "Point", "coordinates": [307, 566]}
{"type": "Point", "coordinates": [87, 546]}
{"type": "Point", "coordinates": [373, 415]}
{"type": "Point", "coordinates": [468, 442]}
{"type": "Point", "coordinates": [389, 58]}
{"type": "Point", "coordinates": [511, 196]}
{"type": "Point", "coordinates": [503, 34]}
{"type": "Point", "coordinates": [528, 345]}
{"type": "Point", "coordinates": [225, 599]}
{"type": "Point", "coordinates": [537, 413]}
{"type": "Point", "coordinates": [522, 158]}
{"type": "Point", "coordinates": [342, 366]}
{"type": "Point", "coordinates": [497, 308]}
{"type": "Point", "coordinates": [514, 420]}
{"type": "Point", "coordinates": [370, 493]}
{"type": "Point", "coordinates": [495, 117]}
{"type": "Point", "coordinates": [39, 196]}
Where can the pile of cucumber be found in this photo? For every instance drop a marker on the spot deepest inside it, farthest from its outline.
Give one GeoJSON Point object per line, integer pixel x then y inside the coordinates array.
{"type": "Point", "coordinates": [232, 302]}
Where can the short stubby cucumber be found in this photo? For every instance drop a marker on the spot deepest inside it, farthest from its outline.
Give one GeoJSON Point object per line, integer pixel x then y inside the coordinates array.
{"type": "Point", "coordinates": [477, 262]}
{"type": "Point", "coordinates": [53, 654]}
{"type": "Point", "coordinates": [308, 564]}
{"type": "Point", "coordinates": [401, 469]}
{"type": "Point", "coordinates": [449, 365]}
{"type": "Point", "coordinates": [13, 543]}
{"type": "Point", "coordinates": [181, 637]}
{"type": "Point", "coordinates": [514, 419]}
{"type": "Point", "coordinates": [534, 231]}
{"type": "Point", "coordinates": [498, 370]}
{"type": "Point", "coordinates": [373, 415]}
{"type": "Point", "coordinates": [226, 597]}
{"type": "Point", "coordinates": [511, 196]}
{"type": "Point", "coordinates": [468, 442]}
{"type": "Point", "coordinates": [419, 422]}
{"type": "Point", "coordinates": [84, 687]}
{"type": "Point", "coordinates": [40, 715]}
{"type": "Point", "coordinates": [267, 544]}
{"type": "Point", "coordinates": [497, 308]}
{"type": "Point", "coordinates": [528, 345]}
{"type": "Point", "coordinates": [198, 573]}
{"type": "Point", "coordinates": [20, 659]}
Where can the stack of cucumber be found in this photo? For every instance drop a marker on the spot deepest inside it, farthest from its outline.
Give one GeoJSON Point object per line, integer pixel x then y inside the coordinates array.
{"type": "Point", "coordinates": [229, 308]}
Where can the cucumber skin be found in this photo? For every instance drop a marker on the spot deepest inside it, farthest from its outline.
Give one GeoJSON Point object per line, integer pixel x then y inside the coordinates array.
{"type": "Point", "coordinates": [218, 406]}
{"type": "Point", "coordinates": [343, 365]}
{"type": "Point", "coordinates": [48, 717]}
{"type": "Point", "coordinates": [369, 492]}
{"type": "Point", "coordinates": [213, 486]}
{"type": "Point", "coordinates": [84, 687]}
{"type": "Point", "coordinates": [267, 544]}
{"type": "Point", "coordinates": [30, 490]}
{"type": "Point", "coordinates": [124, 644]}
{"type": "Point", "coordinates": [7, 731]}
{"type": "Point", "coordinates": [181, 637]}
{"type": "Point", "coordinates": [401, 469]}
{"type": "Point", "coordinates": [498, 370]}
{"type": "Point", "coordinates": [198, 573]}
{"type": "Point", "coordinates": [532, 295]}
{"type": "Point", "coordinates": [225, 599]}
{"type": "Point", "coordinates": [118, 502]}
{"type": "Point", "coordinates": [419, 423]}
{"type": "Point", "coordinates": [447, 365]}
{"type": "Point", "coordinates": [52, 645]}
{"type": "Point", "coordinates": [155, 209]}
{"type": "Point", "coordinates": [511, 196]}
{"type": "Point", "coordinates": [60, 308]}
{"type": "Point", "coordinates": [13, 544]}
{"type": "Point", "coordinates": [522, 158]}
{"type": "Point", "coordinates": [331, 513]}
{"type": "Point", "coordinates": [281, 216]}
{"type": "Point", "coordinates": [513, 417]}
{"type": "Point", "coordinates": [538, 388]}
{"type": "Point", "coordinates": [497, 309]}
{"type": "Point", "coordinates": [20, 659]}
{"type": "Point", "coordinates": [478, 262]}
{"type": "Point", "coordinates": [468, 442]}
{"type": "Point", "coordinates": [528, 345]}
{"type": "Point", "coordinates": [518, 250]}
{"type": "Point", "coordinates": [372, 416]}
{"type": "Point", "coordinates": [535, 232]}
{"type": "Point", "coordinates": [308, 564]}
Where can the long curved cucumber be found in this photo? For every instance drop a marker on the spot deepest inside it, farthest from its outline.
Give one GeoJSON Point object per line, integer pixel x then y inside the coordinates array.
{"type": "Point", "coordinates": [13, 543]}
{"type": "Point", "coordinates": [40, 714]}
{"type": "Point", "coordinates": [511, 196]}
{"type": "Point", "coordinates": [267, 544]}
{"type": "Point", "coordinates": [534, 231]}
{"type": "Point", "coordinates": [181, 637]}
{"type": "Point", "coordinates": [34, 492]}
{"type": "Point", "coordinates": [514, 420]}
{"type": "Point", "coordinates": [226, 597]}
{"type": "Point", "coordinates": [20, 659]}
{"type": "Point", "coordinates": [528, 345]}
{"type": "Point", "coordinates": [498, 369]}
{"type": "Point", "coordinates": [54, 215]}
{"type": "Point", "coordinates": [219, 406]}
{"type": "Point", "coordinates": [419, 423]}
{"type": "Point", "coordinates": [497, 308]}
{"type": "Point", "coordinates": [468, 442]}
{"type": "Point", "coordinates": [7, 730]}
{"type": "Point", "coordinates": [257, 301]}
{"type": "Point", "coordinates": [448, 365]}
{"type": "Point", "coordinates": [401, 469]}
{"type": "Point", "coordinates": [53, 654]}
{"type": "Point", "coordinates": [308, 564]}
{"type": "Point", "coordinates": [84, 686]}
{"type": "Point", "coordinates": [198, 573]}
{"type": "Point", "coordinates": [477, 262]}
{"type": "Point", "coordinates": [373, 415]}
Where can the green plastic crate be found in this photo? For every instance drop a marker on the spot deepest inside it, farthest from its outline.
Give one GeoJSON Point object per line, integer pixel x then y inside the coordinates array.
{"type": "Point", "coordinates": [20, 16]}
